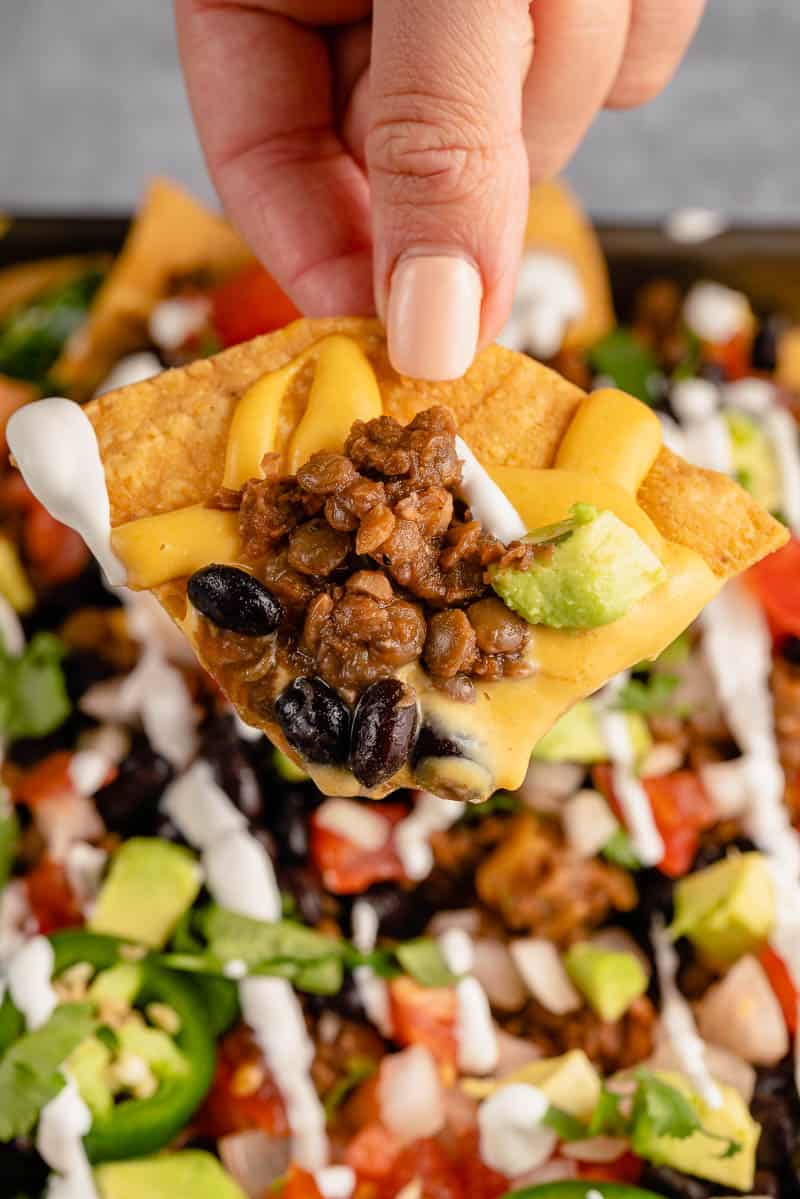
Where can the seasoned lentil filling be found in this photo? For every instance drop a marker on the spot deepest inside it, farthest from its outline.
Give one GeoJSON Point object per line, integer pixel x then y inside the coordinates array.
{"type": "Point", "coordinates": [375, 564]}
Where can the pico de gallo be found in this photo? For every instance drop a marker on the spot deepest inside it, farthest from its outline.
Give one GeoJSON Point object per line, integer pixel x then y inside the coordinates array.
{"type": "Point", "coordinates": [586, 987]}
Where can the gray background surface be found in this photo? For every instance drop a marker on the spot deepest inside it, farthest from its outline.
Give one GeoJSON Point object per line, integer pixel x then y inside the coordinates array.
{"type": "Point", "coordinates": [91, 104]}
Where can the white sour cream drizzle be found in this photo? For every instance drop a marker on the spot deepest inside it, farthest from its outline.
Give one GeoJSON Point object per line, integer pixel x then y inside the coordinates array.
{"type": "Point", "coordinates": [430, 814]}
{"type": "Point", "coordinates": [477, 1040]}
{"type": "Point", "coordinates": [239, 875]}
{"type": "Point", "coordinates": [781, 428]}
{"type": "Point", "coordinates": [56, 449]}
{"type": "Point", "coordinates": [549, 297]}
{"type": "Point", "coordinates": [644, 836]}
{"type": "Point", "coordinates": [677, 1019]}
{"type": "Point", "coordinates": [28, 976]}
{"type": "Point", "coordinates": [175, 320]}
{"type": "Point", "coordinates": [372, 990]}
{"type": "Point", "coordinates": [63, 1123]}
{"type": "Point", "coordinates": [488, 503]}
{"type": "Point", "coordinates": [134, 368]}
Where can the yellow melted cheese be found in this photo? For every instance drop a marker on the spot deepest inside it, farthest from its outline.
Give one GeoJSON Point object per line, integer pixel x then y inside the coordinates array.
{"type": "Point", "coordinates": [608, 449]}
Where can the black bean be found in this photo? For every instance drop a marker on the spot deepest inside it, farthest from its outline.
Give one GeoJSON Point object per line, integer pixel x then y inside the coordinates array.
{"type": "Point", "coordinates": [222, 748]}
{"type": "Point", "coordinates": [790, 650]}
{"type": "Point", "coordinates": [675, 1184]}
{"type": "Point", "coordinates": [384, 729]}
{"type": "Point", "coordinates": [315, 720]}
{"type": "Point", "coordinates": [129, 804]}
{"type": "Point", "coordinates": [708, 855]}
{"type": "Point", "coordinates": [288, 819]}
{"type": "Point", "coordinates": [345, 1003]}
{"type": "Point", "coordinates": [765, 344]}
{"type": "Point", "coordinates": [306, 890]}
{"type": "Point", "coordinates": [401, 914]}
{"type": "Point", "coordinates": [22, 1169]}
{"type": "Point", "coordinates": [431, 744]}
{"type": "Point", "coordinates": [233, 599]}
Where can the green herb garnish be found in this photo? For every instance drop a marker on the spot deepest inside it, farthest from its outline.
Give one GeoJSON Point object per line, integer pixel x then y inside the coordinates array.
{"type": "Point", "coordinates": [33, 335]}
{"type": "Point", "coordinates": [30, 1070]}
{"type": "Point", "coordinates": [33, 696]}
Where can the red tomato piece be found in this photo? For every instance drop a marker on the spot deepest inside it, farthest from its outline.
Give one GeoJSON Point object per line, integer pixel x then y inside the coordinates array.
{"type": "Point", "coordinates": [372, 1152]}
{"type": "Point", "coordinates": [51, 898]}
{"type": "Point", "coordinates": [478, 1180]}
{"type": "Point", "coordinates": [348, 868]}
{"type": "Point", "coordinates": [244, 1094]}
{"type": "Point", "coordinates": [425, 1016]}
{"type": "Point", "coordinates": [14, 493]}
{"type": "Point", "coordinates": [428, 1161]}
{"type": "Point", "coordinates": [775, 580]}
{"type": "Point", "coordinates": [681, 809]}
{"type": "Point", "coordinates": [48, 779]}
{"type": "Point", "coordinates": [56, 553]}
{"type": "Point", "coordinates": [733, 355]}
{"type": "Point", "coordinates": [781, 982]}
{"type": "Point", "coordinates": [627, 1168]}
{"type": "Point", "coordinates": [249, 303]}
{"type": "Point", "coordinates": [300, 1184]}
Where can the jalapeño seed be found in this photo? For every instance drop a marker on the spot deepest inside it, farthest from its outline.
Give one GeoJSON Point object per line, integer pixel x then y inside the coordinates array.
{"type": "Point", "coordinates": [384, 728]}
{"type": "Point", "coordinates": [315, 720]}
{"type": "Point", "coordinates": [233, 599]}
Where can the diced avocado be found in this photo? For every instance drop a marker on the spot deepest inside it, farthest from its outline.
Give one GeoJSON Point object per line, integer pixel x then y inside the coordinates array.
{"type": "Point", "coordinates": [609, 981]}
{"type": "Point", "coordinates": [700, 1154]}
{"type": "Point", "coordinates": [753, 460]}
{"type": "Point", "coordinates": [592, 569]}
{"type": "Point", "coordinates": [727, 909]}
{"type": "Point", "coordinates": [150, 885]}
{"type": "Point", "coordinates": [189, 1173]}
{"type": "Point", "coordinates": [577, 737]}
{"type": "Point", "coordinates": [120, 983]}
{"type": "Point", "coordinates": [14, 583]}
{"type": "Point", "coordinates": [88, 1066]}
{"type": "Point", "coordinates": [570, 1082]}
{"type": "Point", "coordinates": [287, 769]}
{"type": "Point", "coordinates": [156, 1047]}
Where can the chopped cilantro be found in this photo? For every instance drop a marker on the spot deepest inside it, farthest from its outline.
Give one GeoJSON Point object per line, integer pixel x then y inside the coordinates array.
{"type": "Point", "coordinates": [33, 696]}
{"type": "Point", "coordinates": [648, 697]}
{"type": "Point", "coordinates": [9, 832]}
{"type": "Point", "coordinates": [501, 801]}
{"type": "Point", "coordinates": [630, 364]}
{"type": "Point", "coordinates": [564, 1125]}
{"type": "Point", "coordinates": [29, 1070]}
{"type": "Point", "coordinates": [423, 960]}
{"type": "Point", "coordinates": [619, 851]}
{"type": "Point", "coordinates": [33, 334]}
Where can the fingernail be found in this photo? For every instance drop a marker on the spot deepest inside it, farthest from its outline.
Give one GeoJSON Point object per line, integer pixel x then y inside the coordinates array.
{"type": "Point", "coordinates": [433, 316]}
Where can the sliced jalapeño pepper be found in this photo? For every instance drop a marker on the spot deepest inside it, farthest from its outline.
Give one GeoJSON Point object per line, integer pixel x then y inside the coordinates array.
{"type": "Point", "coordinates": [134, 1127]}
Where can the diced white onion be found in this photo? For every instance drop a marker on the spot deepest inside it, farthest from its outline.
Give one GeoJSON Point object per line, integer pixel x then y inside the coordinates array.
{"type": "Point", "coordinates": [410, 1094]}
{"type": "Point", "coordinates": [468, 919]}
{"type": "Point", "coordinates": [430, 814]}
{"type": "Point", "coordinates": [457, 950]}
{"type": "Point", "coordinates": [85, 865]}
{"type": "Point", "coordinates": [514, 1053]}
{"type": "Point", "coordinates": [199, 808]}
{"type": "Point", "coordinates": [547, 784]}
{"type": "Point", "coordinates": [175, 320]}
{"type": "Point", "coordinates": [477, 1042]}
{"type": "Point", "coordinates": [728, 784]}
{"type": "Point", "coordinates": [356, 822]}
{"type": "Point", "coordinates": [513, 1138]}
{"type": "Point", "coordinates": [254, 1159]}
{"type": "Point", "coordinates": [596, 1149]}
{"type": "Point", "coordinates": [663, 758]}
{"type": "Point", "coordinates": [240, 876]}
{"type": "Point", "coordinates": [588, 822]}
{"type": "Point", "coordinates": [134, 368]}
{"type": "Point", "coordinates": [544, 974]}
{"type": "Point", "coordinates": [495, 969]}
{"type": "Point", "coordinates": [694, 399]}
{"type": "Point", "coordinates": [742, 1014]}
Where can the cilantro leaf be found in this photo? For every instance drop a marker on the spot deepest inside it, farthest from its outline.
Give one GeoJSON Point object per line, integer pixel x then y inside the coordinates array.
{"type": "Point", "coordinates": [33, 334]}
{"type": "Point", "coordinates": [630, 364]}
{"type": "Point", "coordinates": [649, 697]}
{"type": "Point", "coordinates": [423, 960]}
{"type": "Point", "coordinates": [29, 1070]}
{"type": "Point", "coordinates": [564, 1125]}
{"type": "Point", "coordinates": [608, 1118]}
{"type": "Point", "coordinates": [501, 801]}
{"type": "Point", "coordinates": [9, 833]}
{"type": "Point", "coordinates": [311, 960]}
{"type": "Point", "coordinates": [33, 696]}
{"type": "Point", "coordinates": [660, 1110]}
{"type": "Point", "coordinates": [619, 851]}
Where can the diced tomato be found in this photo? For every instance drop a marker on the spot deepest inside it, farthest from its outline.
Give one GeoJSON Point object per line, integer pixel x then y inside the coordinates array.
{"type": "Point", "coordinates": [56, 553]}
{"type": "Point", "coordinates": [681, 807]}
{"type": "Point", "coordinates": [478, 1180]}
{"type": "Point", "coordinates": [733, 355]}
{"type": "Point", "coordinates": [249, 303]}
{"type": "Point", "coordinates": [775, 580]}
{"type": "Point", "coordinates": [627, 1168]}
{"type": "Point", "coordinates": [48, 779]}
{"type": "Point", "coordinates": [348, 868]}
{"type": "Point", "coordinates": [372, 1152]}
{"type": "Point", "coordinates": [781, 982]}
{"type": "Point", "coordinates": [14, 493]}
{"type": "Point", "coordinates": [300, 1184]}
{"type": "Point", "coordinates": [425, 1016]}
{"type": "Point", "coordinates": [13, 394]}
{"type": "Point", "coordinates": [428, 1161]}
{"type": "Point", "coordinates": [51, 898]}
{"type": "Point", "coordinates": [244, 1094]}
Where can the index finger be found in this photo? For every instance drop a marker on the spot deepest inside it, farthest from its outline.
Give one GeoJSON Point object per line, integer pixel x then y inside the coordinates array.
{"type": "Point", "coordinates": [260, 88]}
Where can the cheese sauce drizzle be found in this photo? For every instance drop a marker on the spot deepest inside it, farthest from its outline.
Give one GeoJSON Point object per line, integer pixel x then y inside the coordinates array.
{"type": "Point", "coordinates": [56, 449]}
{"type": "Point", "coordinates": [677, 1018]}
{"type": "Point", "coordinates": [239, 876]}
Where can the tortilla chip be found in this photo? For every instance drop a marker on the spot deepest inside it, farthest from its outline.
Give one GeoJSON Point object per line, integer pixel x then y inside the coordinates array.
{"type": "Point", "coordinates": [173, 237]}
{"type": "Point", "coordinates": [787, 373]}
{"type": "Point", "coordinates": [24, 282]}
{"type": "Point", "coordinates": [163, 444]}
{"type": "Point", "coordinates": [556, 222]}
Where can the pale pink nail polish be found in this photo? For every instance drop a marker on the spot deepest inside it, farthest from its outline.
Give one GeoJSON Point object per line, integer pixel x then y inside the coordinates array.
{"type": "Point", "coordinates": [433, 316]}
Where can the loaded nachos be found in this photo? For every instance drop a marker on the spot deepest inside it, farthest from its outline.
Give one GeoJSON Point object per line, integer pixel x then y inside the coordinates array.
{"type": "Point", "coordinates": [223, 980]}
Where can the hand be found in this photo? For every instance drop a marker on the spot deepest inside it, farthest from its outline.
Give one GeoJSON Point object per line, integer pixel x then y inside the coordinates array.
{"type": "Point", "coordinates": [381, 154]}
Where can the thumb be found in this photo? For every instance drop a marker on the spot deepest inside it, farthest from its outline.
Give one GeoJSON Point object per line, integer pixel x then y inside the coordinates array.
{"type": "Point", "coordinates": [448, 174]}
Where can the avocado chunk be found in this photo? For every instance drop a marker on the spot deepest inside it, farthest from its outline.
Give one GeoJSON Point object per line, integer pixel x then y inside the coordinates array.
{"type": "Point", "coordinates": [191, 1172]}
{"type": "Point", "coordinates": [156, 1047]}
{"type": "Point", "coordinates": [120, 984]}
{"type": "Point", "coordinates": [88, 1066]}
{"type": "Point", "coordinates": [589, 570]}
{"type": "Point", "coordinates": [753, 460]}
{"type": "Point", "coordinates": [150, 885]}
{"type": "Point", "coordinates": [577, 737]}
{"type": "Point", "coordinates": [570, 1083]}
{"type": "Point", "coordinates": [728, 909]}
{"type": "Point", "coordinates": [700, 1154]}
{"type": "Point", "coordinates": [608, 980]}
